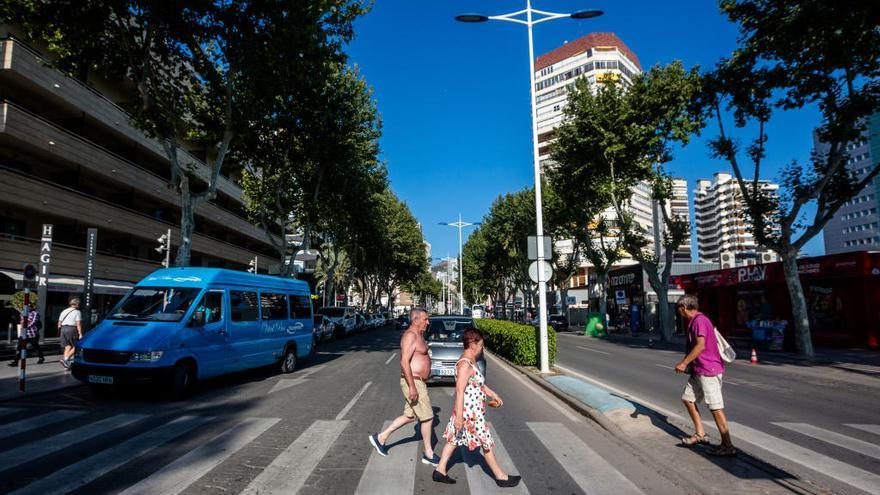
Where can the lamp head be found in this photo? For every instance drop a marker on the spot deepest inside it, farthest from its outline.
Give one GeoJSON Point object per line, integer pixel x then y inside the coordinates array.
{"type": "Point", "coordinates": [586, 14]}
{"type": "Point", "coordinates": [471, 18]}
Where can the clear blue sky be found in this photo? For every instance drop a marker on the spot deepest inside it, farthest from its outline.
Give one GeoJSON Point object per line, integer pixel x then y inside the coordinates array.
{"type": "Point", "coordinates": [454, 98]}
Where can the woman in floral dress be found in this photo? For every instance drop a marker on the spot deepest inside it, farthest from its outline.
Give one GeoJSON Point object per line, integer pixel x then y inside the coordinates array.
{"type": "Point", "coordinates": [467, 426]}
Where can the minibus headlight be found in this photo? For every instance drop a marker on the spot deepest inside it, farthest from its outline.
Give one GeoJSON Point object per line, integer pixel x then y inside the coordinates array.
{"type": "Point", "coordinates": [145, 357]}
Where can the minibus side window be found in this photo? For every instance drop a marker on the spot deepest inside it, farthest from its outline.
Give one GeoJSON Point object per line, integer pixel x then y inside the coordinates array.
{"type": "Point", "coordinates": [212, 306]}
{"type": "Point", "coordinates": [274, 306]}
{"type": "Point", "coordinates": [300, 307]}
{"type": "Point", "coordinates": [244, 305]}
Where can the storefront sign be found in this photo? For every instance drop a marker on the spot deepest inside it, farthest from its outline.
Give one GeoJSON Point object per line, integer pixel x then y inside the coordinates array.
{"type": "Point", "coordinates": [623, 278]}
{"type": "Point", "coordinates": [43, 274]}
{"type": "Point", "coordinates": [756, 273]}
{"type": "Point", "coordinates": [89, 279]}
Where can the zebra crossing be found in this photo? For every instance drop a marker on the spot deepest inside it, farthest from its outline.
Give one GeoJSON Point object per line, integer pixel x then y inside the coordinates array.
{"type": "Point", "coordinates": [130, 437]}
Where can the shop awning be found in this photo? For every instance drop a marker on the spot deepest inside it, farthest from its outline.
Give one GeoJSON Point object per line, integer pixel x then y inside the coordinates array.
{"type": "Point", "coordinates": [65, 283]}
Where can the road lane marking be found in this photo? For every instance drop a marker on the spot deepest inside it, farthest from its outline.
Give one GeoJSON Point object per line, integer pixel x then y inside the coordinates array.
{"type": "Point", "coordinates": [351, 403]}
{"type": "Point", "coordinates": [621, 393]}
{"type": "Point", "coordinates": [28, 452]}
{"type": "Point", "coordinates": [587, 468]}
{"type": "Point", "coordinates": [833, 438]}
{"type": "Point", "coordinates": [180, 474]}
{"type": "Point", "coordinates": [549, 399]}
{"type": "Point", "coordinates": [9, 410]}
{"type": "Point", "coordinates": [664, 366]}
{"type": "Point", "coordinates": [875, 429]}
{"type": "Point", "coordinates": [450, 391]}
{"type": "Point", "coordinates": [40, 421]}
{"type": "Point", "coordinates": [289, 471]}
{"type": "Point", "coordinates": [593, 350]}
{"type": "Point", "coordinates": [846, 473]}
{"type": "Point", "coordinates": [478, 480]}
{"type": "Point", "coordinates": [285, 383]}
{"type": "Point", "coordinates": [394, 474]}
{"type": "Point", "coordinates": [390, 358]}
{"type": "Point", "coordinates": [91, 468]}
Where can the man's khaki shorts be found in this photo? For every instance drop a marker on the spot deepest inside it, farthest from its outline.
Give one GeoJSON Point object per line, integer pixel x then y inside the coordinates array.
{"type": "Point", "coordinates": [706, 389]}
{"type": "Point", "coordinates": [420, 409]}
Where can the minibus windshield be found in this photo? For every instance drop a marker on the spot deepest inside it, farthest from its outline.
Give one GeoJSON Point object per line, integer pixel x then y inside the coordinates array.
{"type": "Point", "coordinates": [155, 304]}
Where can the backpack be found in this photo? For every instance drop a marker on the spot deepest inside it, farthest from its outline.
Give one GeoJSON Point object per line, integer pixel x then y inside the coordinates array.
{"type": "Point", "coordinates": [727, 352]}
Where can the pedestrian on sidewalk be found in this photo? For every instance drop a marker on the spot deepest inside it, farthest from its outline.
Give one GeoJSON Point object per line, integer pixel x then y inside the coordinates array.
{"type": "Point", "coordinates": [70, 331]}
{"type": "Point", "coordinates": [415, 367]}
{"type": "Point", "coordinates": [467, 426]}
{"type": "Point", "coordinates": [706, 368]}
{"type": "Point", "coordinates": [30, 328]}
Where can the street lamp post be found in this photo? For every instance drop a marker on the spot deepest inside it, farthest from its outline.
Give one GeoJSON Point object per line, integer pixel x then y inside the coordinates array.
{"type": "Point", "coordinates": [529, 21]}
{"type": "Point", "coordinates": [460, 225]}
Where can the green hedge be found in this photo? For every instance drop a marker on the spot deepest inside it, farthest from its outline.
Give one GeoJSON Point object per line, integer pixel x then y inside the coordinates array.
{"type": "Point", "coordinates": [515, 341]}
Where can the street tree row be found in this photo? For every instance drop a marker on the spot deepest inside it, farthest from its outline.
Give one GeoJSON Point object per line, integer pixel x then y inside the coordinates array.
{"type": "Point", "coordinates": [791, 55]}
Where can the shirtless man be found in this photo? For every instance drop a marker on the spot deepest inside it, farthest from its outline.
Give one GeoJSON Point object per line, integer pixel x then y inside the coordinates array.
{"type": "Point", "coordinates": [415, 366]}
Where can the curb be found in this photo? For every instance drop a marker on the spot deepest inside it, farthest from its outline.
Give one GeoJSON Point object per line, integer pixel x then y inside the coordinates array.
{"type": "Point", "coordinates": [608, 425]}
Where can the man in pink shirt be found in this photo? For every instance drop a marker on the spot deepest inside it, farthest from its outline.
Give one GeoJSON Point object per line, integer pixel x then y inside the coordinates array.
{"type": "Point", "coordinates": [703, 362]}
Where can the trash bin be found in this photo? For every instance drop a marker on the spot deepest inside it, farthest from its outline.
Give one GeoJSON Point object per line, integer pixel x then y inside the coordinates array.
{"type": "Point", "coordinates": [595, 326]}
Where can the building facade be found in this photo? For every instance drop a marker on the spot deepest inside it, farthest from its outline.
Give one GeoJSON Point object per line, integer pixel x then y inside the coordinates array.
{"type": "Point", "coordinates": [856, 225]}
{"type": "Point", "coordinates": [69, 157]}
{"type": "Point", "coordinates": [722, 228]}
{"type": "Point", "coordinates": [678, 207]}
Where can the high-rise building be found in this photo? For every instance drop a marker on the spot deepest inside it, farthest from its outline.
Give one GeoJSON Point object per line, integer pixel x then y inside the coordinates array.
{"type": "Point", "coordinates": [856, 225]}
{"type": "Point", "coordinates": [722, 227]}
{"type": "Point", "coordinates": [70, 157]}
{"type": "Point", "coordinates": [596, 57]}
{"type": "Point", "coordinates": [677, 207]}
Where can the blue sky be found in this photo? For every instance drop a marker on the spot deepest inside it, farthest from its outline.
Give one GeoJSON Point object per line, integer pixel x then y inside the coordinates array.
{"type": "Point", "coordinates": [454, 98]}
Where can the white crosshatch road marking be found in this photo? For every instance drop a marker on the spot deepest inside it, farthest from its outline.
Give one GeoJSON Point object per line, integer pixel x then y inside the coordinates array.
{"type": "Point", "coordinates": [833, 438]}
{"type": "Point", "coordinates": [180, 474]}
{"type": "Point", "coordinates": [23, 425]}
{"type": "Point", "coordinates": [394, 474]}
{"type": "Point", "coordinates": [483, 483]}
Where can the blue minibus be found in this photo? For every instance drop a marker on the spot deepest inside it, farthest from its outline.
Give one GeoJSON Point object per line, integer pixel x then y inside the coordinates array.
{"type": "Point", "coordinates": [181, 325]}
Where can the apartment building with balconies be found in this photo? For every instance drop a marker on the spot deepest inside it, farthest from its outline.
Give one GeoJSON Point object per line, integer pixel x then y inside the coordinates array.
{"type": "Point", "coordinates": [70, 157]}
{"type": "Point", "coordinates": [721, 224]}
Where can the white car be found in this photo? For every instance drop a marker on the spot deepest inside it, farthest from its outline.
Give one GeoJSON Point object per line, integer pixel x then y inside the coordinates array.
{"type": "Point", "coordinates": [343, 318]}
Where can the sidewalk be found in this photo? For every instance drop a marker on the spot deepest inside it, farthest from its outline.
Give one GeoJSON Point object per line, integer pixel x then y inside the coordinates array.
{"type": "Point", "coordinates": [863, 361]}
{"type": "Point", "coordinates": [41, 378]}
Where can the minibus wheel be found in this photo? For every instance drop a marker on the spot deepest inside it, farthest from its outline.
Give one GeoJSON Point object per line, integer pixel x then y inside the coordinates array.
{"type": "Point", "coordinates": [288, 360]}
{"type": "Point", "coordinates": [182, 380]}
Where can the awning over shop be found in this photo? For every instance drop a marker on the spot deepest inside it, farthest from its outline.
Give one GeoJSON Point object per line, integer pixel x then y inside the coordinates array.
{"type": "Point", "coordinates": [64, 283]}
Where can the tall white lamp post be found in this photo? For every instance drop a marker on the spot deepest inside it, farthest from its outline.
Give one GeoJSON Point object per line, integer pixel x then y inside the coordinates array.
{"type": "Point", "coordinates": [530, 20]}
{"type": "Point", "coordinates": [460, 225]}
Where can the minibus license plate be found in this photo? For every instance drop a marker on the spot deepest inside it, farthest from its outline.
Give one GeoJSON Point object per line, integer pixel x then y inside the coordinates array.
{"type": "Point", "coordinates": [107, 380]}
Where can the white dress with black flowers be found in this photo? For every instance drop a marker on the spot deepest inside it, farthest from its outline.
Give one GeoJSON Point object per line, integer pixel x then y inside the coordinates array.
{"type": "Point", "coordinates": [475, 432]}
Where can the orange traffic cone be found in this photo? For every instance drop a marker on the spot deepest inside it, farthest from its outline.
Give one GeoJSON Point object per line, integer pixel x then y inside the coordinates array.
{"type": "Point", "coordinates": [754, 356]}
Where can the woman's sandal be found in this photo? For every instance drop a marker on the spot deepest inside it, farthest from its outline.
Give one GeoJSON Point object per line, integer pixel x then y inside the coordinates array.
{"type": "Point", "coordinates": [722, 451]}
{"type": "Point", "coordinates": [694, 440]}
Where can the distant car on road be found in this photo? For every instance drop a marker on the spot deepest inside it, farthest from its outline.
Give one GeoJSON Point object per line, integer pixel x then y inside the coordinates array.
{"type": "Point", "coordinates": [323, 328]}
{"type": "Point", "coordinates": [478, 311]}
{"type": "Point", "coordinates": [558, 323]}
{"type": "Point", "coordinates": [343, 318]}
{"type": "Point", "coordinates": [402, 322]}
{"type": "Point", "coordinates": [444, 338]}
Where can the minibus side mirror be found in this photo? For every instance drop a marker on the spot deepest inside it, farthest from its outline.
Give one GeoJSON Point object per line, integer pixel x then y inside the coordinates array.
{"type": "Point", "coordinates": [198, 319]}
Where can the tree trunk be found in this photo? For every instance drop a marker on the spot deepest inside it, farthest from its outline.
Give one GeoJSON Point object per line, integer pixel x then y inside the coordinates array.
{"type": "Point", "coordinates": [602, 281]}
{"type": "Point", "coordinates": [803, 341]}
{"type": "Point", "coordinates": [563, 295]}
{"type": "Point", "coordinates": [187, 224]}
{"type": "Point", "coordinates": [667, 318]}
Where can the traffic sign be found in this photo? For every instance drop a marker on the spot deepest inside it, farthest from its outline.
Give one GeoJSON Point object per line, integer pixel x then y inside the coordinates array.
{"type": "Point", "coordinates": [29, 272]}
{"type": "Point", "coordinates": [546, 272]}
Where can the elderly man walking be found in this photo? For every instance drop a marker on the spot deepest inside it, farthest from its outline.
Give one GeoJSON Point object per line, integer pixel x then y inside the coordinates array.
{"type": "Point", "coordinates": [706, 367]}
{"type": "Point", "coordinates": [415, 367]}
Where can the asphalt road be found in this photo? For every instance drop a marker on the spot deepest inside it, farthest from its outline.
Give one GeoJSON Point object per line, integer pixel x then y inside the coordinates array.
{"type": "Point", "coordinates": [261, 432]}
{"type": "Point", "coordinates": [817, 421]}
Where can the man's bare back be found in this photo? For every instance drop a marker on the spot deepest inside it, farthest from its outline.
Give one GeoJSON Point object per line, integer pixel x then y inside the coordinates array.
{"type": "Point", "coordinates": [420, 363]}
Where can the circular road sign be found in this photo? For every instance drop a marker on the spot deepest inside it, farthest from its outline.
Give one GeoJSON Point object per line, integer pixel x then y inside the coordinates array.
{"type": "Point", "coordinates": [547, 271]}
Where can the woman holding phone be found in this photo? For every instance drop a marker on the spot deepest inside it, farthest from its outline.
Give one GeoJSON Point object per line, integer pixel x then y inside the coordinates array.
{"type": "Point", "coordinates": [467, 426]}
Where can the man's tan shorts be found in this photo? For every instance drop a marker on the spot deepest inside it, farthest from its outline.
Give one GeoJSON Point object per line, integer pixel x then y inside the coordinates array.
{"type": "Point", "coordinates": [420, 409]}
{"type": "Point", "coordinates": [704, 388]}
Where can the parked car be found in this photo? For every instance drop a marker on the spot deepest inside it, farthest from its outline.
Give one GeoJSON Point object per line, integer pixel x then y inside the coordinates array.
{"type": "Point", "coordinates": [558, 322]}
{"type": "Point", "coordinates": [360, 322]}
{"type": "Point", "coordinates": [343, 318]}
{"type": "Point", "coordinates": [379, 320]}
{"type": "Point", "coordinates": [444, 337]}
{"type": "Point", "coordinates": [323, 328]}
{"type": "Point", "coordinates": [478, 311]}
{"type": "Point", "coordinates": [370, 321]}
{"type": "Point", "coordinates": [403, 321]}
{"type": "Point", "coordinates": [181, 325]}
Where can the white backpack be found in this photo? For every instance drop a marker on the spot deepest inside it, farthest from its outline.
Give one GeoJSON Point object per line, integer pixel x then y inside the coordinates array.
{"type": "Point", "coordinates": [728, 353]}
